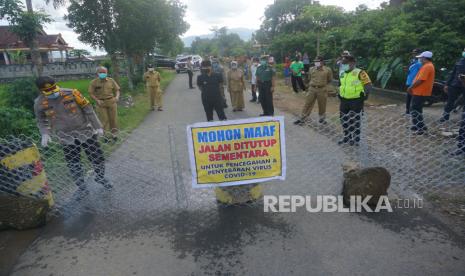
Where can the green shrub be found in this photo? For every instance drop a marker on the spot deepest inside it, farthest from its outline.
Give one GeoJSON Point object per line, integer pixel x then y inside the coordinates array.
{"type": "Point", "coordinates": [16, 121]}
{"type": "Point", "coordinates": [21, 94]}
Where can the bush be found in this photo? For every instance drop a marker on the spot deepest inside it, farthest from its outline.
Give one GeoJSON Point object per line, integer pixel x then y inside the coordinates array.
{"type": "Point", "coordinates": [16, 121]}
{"type": "Point", "coordinates": [21, 94]}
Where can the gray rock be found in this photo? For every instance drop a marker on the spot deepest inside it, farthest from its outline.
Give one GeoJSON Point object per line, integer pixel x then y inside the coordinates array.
{"type": "Point", "coordinates": [373, 181]}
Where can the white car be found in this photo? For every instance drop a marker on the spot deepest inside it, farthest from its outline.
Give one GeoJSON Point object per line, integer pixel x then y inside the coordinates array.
{"type": "Point", "coordinates": [181, 63]}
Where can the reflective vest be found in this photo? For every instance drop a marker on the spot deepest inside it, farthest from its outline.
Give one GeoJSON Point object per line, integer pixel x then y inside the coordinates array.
{"type": "Point", "coordinates": [351, 86]}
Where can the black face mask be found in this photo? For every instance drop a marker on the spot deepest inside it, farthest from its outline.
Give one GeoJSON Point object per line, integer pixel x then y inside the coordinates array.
{"type": "Point", "coordinates": [204, 71]}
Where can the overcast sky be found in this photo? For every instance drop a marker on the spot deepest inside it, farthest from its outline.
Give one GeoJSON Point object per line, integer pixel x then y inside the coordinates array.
{"type": "Point", "coordinates": [201, 15]}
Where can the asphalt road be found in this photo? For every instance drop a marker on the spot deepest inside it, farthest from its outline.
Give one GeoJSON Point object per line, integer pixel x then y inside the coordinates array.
{"type": "Point", "coordinates": [153, 223]}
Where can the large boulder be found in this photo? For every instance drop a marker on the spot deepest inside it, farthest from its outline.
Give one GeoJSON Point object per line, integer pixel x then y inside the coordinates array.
{"type": "Point", "coordinates": [373, 181]}
{"type": "Point", "coordinates": [21, 212]}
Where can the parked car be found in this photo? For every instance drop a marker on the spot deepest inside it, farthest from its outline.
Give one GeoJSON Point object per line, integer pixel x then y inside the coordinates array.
{"type": "Point", "coordinates": [162, 61]}
{"type": "Point", "coordinates": [182, 62]}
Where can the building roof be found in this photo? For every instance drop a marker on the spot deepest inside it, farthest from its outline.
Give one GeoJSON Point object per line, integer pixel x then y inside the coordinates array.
{"type": "Point", "coordinates": [10, 41]}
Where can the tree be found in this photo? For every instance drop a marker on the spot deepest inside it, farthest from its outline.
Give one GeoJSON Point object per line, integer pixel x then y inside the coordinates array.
{"type": "Point", "coordinates": [321, 19]}
{"type": "Point", "coordinates": [94, 21]}
{"type": "Point", "coordinates": [133, 28]}
{"type": "Point", "coordinates": [27, 25]}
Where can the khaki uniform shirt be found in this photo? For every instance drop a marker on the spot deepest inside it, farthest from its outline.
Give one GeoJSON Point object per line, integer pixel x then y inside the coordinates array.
{"type": "Point", "coordinates": [70, 116]}
{"type": "Point", "coordinates": [103, 89]}
{"type": "Point", "coordinates": [320, 77]}
{"type": "Point", "coordinates": [235, 80]}
{"type": "Point", "coordinates": [152, 79]}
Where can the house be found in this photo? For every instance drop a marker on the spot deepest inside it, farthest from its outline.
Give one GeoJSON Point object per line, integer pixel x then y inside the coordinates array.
{"type": "Point", "coordinates": [53, 48]}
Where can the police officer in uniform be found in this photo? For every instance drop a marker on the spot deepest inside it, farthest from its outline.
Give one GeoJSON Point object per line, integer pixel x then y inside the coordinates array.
{"type": "Point", "coordinates": [266, 84]}
{"type": "Point", "coordinates": [461, 138]}
{"type": "Point", "coordinates": [454, 87]}
{"type": "Point", "coordinates": [218, 69]}
{"type": "Point", "coordinates": [354, 90]}
{"type": "Point", "coordinates": [106, 92]}
{"type": "Point", "coordinates": [70, 118]}
{"type": "Point", "coordinates": [320, 77]}
{"type": "Point", "coordinates": [152, 83]}
{"type": "Point", "coordinates": [209, 84]}
{"type": "Point", "coordinates": [236, 86]}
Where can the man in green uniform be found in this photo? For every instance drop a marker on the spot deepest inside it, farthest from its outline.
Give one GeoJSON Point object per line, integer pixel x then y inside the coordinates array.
{"type": "Point", "coordinates": [320, 77]}
{"type": "Point", "coordinates": [69, 117]}
{"type": "Point", "coordinates": [152, 83]}
{"type": "Point", "coordinates": [105, 91]}
{"type": "Point", "coordinates": [266, 85]}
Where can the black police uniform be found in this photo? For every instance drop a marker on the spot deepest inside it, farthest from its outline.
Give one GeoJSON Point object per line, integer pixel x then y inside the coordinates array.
{"type": "Point", "coordinates": [211, 95]}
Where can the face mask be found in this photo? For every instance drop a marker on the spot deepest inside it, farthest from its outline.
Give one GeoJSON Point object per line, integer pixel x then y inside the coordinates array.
{"type": "Point", "coordinates": [234, 66]}
{"type": "Point", "coordinates": [345, 67]}
{"type": "Point", "coordinates": [54, 95]}
{"type": "Point", "coordinates": [317, 64]}
{"type": "Point", "coordinates": [263, 62]}
{"type": "Point", "coordinates": [150, 69]}
{"type": "Point", "coordinates": [102, 75]}
{"type": "Point", "coordinates": [463, 54]}
{"type": "Point", "coordinates": [204, 71]}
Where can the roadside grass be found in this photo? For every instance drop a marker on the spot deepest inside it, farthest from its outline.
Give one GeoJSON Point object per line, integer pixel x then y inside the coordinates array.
{"type": "Point", "coordinates": [128, 117]}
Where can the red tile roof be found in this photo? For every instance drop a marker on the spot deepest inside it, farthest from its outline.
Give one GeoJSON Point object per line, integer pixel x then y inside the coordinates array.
{"type": "Point", "coordinates": [9, 40]}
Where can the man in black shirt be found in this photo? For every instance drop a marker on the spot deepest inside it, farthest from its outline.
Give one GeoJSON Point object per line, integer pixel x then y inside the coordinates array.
{"type": "Point", "coordinates": [209, 83]}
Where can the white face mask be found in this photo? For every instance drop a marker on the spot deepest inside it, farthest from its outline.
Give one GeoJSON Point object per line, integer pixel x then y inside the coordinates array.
{"type": "Point", "coordinates": [151, 69]}
{"type": "Point", "coordinates": [317, 64]}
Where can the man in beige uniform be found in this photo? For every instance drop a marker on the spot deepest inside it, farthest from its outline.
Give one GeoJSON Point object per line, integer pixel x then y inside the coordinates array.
{"type": "Point", "coordinates": [236, 87]}
{"type": "Point", "coordinates": [105, 91]}
{"type": "Point", "coordinates": [320, 77]}
{"type": "Point", "coordinates": [152, 83]}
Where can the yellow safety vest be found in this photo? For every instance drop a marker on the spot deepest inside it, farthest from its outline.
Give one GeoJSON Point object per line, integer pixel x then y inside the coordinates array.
{"type": "Point", "coordinates": [351, 86]}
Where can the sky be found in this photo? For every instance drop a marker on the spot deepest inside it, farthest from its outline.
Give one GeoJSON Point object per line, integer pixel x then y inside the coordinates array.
{"type": "Point", "coordinates": [202, 15]}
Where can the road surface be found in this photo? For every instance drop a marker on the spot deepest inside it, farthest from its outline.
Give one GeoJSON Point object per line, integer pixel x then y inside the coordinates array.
{"type": "Point", "coordinates": [153, 223]}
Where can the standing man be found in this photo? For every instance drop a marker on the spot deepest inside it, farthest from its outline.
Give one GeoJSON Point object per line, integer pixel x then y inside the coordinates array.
{"type": "Point", "coordinates": [320, 77]}
{"type": "Point", "coordinates": [236, 87]}
{"type": "Point", "coordinates": [253, 79]}
{"type": "Point", "coordinates": [218, 69]}
{"type": "Point", "coordinates": [421, 88]}
{"type": "Point", "coordinates": [461, 138]}
{"type": "Point", "coordinates": [68, 116]}
{"type": "Point", "coordinates": [105, 91]}
{"type": "Point", "coordinates": [306, 62]}
{"type": "Point", "coordinates": [454, 87]}
{"type": "Point", "coordinates": [354, 90]}
{"type": "Point", "coordinates": [266, 85]}
{"type": "Point", "coordinates": [209, 83]}
{"type": "Point", "coordinates": [344, 53]}
{"type": "Point", "coordinates": [190, 71]}
{"type": "Point", "coordinates": [152, 83]}
{"type": "Point", "coordinates": [297, 67]}
{"type": "Point", "coordinates": [413, 69]}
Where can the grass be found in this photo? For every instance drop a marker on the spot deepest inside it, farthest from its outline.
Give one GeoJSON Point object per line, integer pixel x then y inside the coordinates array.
{"type": "Point", "coordinates": [128, 118]}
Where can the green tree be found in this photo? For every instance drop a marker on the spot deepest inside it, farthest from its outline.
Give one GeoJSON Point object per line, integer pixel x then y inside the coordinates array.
{"type": "Point", "coordinates": [27, 25]}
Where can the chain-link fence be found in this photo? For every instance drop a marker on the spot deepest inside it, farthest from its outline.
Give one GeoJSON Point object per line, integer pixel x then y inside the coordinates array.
{"type": "Point", "coordinates": [148, 169]}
